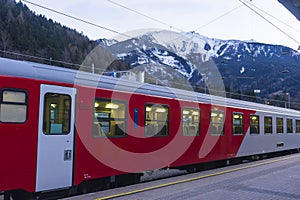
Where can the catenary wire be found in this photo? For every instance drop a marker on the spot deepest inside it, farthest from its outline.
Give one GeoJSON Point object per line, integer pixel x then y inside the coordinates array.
{"type": "Point", "coordinates": [285, 33]}
{"type": "Point", "coordinates": [78, 19]}
{"type": "Point", "coordinates": [71, 65]}
{"type": "Point", "coordinates": [146, 16]}
{"type": "Point", "coordinates": [217, 18]}
{"type": "Point", "coordinates": [273, 17]}
{"type": "Point", "coordinates": [210, 22]}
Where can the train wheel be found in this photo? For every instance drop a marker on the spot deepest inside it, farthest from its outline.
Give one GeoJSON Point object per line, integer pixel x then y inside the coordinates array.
{"type": "Point", "coordinates": [7, 195]}
{"type": "Point", "coordinates": [191, 169]}
{"type": "Point", "coordinates": [23, 195]}
{"type": "Point", "coordinates": [84, 188]}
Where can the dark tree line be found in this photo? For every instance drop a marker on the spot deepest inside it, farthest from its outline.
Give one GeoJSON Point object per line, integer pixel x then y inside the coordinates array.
{"type": "Point", "coordinates": [24, 32]}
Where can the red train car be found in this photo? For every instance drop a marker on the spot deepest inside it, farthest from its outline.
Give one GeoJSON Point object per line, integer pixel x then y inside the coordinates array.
{"type": "Point", "coordinates": [66, 129]}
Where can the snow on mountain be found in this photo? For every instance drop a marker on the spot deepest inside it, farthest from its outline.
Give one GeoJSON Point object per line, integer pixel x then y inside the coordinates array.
{"type": "Point", "coordinates": [106, 42]}
{"type": "Point", "coordinates": [186, 43]}
{"type": "Point", "coordinates": [181, 54]}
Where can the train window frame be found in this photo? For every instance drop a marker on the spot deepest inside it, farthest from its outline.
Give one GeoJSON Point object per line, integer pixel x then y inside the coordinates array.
{"type": "Point", "coordinates": [289, 126]}
{"type": "Point", "coordinates": [297, 122]}
{"type": "Point", "coordinates": [57, 114]}
{"type": "Point", "coordinates": [155, 127]}
{"type": "Point", "coordinates": [13, 103]}
{"type": "Point", "coordinates": [254, 127]}
{"type": "Point", "coordinates": [238, 129]}
{"type": "Point", "coordinates": [214, 130]}
{"type": "Point", "coordinates": [190, 126]}
{"type": "Point", "coordinates": [268, 127]}
{"type": "Point", "coordinates": [104, 121]}
{"type": "Point", "coordinates": [279, 127]}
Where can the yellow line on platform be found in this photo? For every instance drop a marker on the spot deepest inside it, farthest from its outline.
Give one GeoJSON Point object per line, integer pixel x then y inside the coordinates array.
{"type": "Point", "coordinates": [195, 178]}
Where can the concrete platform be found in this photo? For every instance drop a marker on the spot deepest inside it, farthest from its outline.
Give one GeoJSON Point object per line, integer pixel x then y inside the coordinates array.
{"type": "Point", "coordinates": [276, 178]}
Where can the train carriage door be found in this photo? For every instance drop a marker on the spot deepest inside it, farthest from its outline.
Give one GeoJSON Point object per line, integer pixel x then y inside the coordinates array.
{"type": "Point", "coordinates": [55, 137]}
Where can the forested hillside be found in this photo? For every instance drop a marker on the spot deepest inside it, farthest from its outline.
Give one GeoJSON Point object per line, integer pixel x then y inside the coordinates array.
{"type": "Point", "coordinates": [24, 32]}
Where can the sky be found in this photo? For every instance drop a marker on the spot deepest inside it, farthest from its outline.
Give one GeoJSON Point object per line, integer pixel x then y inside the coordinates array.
{"type": "Point", "coordinates": [222, 19]}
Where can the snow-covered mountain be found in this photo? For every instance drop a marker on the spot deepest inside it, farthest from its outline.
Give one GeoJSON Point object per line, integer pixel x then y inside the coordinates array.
{"type": "Point", "coordinates": [242, 65]}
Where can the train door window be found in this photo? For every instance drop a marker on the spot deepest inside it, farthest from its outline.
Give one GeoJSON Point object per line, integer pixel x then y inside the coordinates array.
{"type": "Point", "coordinates": [279, 125]}
{"type": "Point", "coordinates": [190, 121]}
{"type": "Point", "coordinates": [289, 125]}
{"type": "Point", "coordinates": [268, 125]}
{"type": "Point", "coordinates": [109, 118]}
{"type": "Point", "coordinates": [217, 119]}
{"type": "Point", "coordinates": [254, 124]}
{"type": "Point", "coordinates": [297, 126]}
{"type": "Point", "coordinates": [156, 120]}
{"type": "Point", "coordinates": [13, 106]}
{"type": "Point", "coordinates": [57, 114]}
{"type": "Point", "coordinates": [237, 124]}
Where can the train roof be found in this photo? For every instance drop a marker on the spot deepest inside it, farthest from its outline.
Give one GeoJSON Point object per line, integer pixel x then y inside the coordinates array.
{"type": "Point", "coordinates": [38, 71]}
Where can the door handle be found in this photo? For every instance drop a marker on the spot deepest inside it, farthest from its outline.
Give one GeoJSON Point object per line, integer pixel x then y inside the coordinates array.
{"type": "Point", "coordinates": [67, 155]}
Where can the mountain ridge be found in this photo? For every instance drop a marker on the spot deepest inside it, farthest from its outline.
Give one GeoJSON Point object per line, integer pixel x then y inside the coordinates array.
{"type": "Point", "coordinates": [242, 65]}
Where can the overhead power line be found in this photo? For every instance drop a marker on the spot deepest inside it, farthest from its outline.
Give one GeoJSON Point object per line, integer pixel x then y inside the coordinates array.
{"type": "Point", "coordinates": [285, 33]}
{"type": "Point", "coordinates": [78, 19]}
{"type": "Point", "coordinates": [142, 14]}
{"type": "Point", "coordinates": [219, 17]}
{"type": "Point", "coordinates": [210, 22]}
{"type": "Point", "coordinates": [48, 60]}
{"type": "Point", "coordinates": [99, 26]}
{"type": "Point", "coordinates": [273, 17]}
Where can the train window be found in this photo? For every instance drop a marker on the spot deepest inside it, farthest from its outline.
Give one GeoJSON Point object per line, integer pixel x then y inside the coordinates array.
{"type": "Point", "coordinates": [109, 118]}
{"type": "Point", "coordinates": [156, 120]}
{"type": "Point", "coordinates": [268, 125]}
{"type": "Point", "coordinates": [217, 122]}
{"type": "Point", "coordinates": [297, 126]}
{"type": "Point", "coordinates": [289, 125]}
{"type": "Point", "coordinates": [254, 124]}
{"type": "Point", "coordinates": [13, 106]}
{"type": "Point", "coordinates": [190, 121]}
{"type": "Point", "coordinates": [279, 125]}
{"type": "Point", "coordinates": [237, 123]}
{"type": "Point", "coordinates": [57, 114]}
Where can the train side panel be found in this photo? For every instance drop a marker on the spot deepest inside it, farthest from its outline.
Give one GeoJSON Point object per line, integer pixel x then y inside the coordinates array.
{"type": "Point", "coordinates": [18, 140]}
{"type": "Point", "coordinates": [274, 140]}
{"type": "Point", "coordinates": [98, 157]}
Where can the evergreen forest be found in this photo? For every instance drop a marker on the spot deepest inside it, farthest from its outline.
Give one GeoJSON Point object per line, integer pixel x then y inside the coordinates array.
{"type": "Point", "coordinates": [23, 32]}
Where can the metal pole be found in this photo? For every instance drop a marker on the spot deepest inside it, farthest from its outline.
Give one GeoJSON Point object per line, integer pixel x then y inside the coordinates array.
{"type": "Point", "coordinates": [288, 100]}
